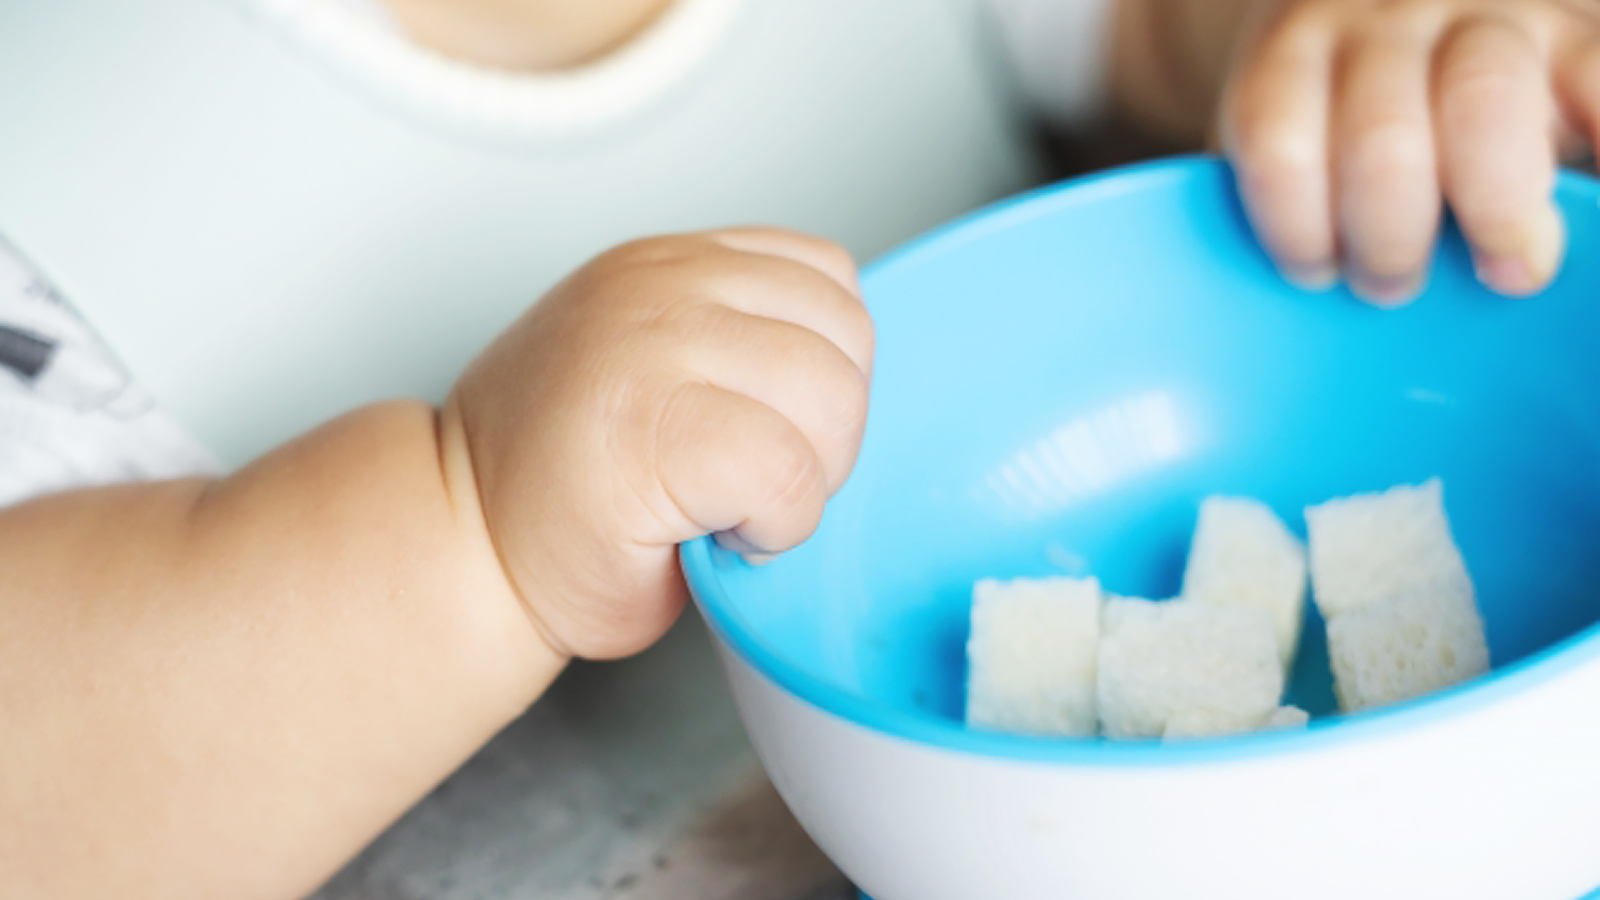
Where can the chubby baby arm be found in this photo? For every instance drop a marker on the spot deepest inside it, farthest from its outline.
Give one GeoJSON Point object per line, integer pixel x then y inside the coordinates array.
{"type": "Point", "coordinates": [226, 689]}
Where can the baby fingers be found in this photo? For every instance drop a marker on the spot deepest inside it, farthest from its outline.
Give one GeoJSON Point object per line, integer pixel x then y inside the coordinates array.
{"type": "Point", "coordinates": [803, 376]}
{"type": "Point", "coordinates": [1387, 185]}
{"type": "Point", "coordinates": [737, 467]}
{"type": "Point", "coordinates": [1496, 119]}
{"type": "Point", "coordinates": [1352, 124]}
{"type": "Point", "coordinates": [1275, 129]}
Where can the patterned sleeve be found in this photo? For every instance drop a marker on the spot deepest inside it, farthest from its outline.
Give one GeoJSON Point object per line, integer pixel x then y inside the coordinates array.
{"type": "Point", "coordinates": [69, 415]}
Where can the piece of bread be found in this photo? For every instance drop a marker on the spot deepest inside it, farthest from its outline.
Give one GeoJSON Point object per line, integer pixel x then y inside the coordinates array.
{"type": "Point", "coordinates": [1198, 667]}
{"type": "Point", "coordinates": [1402, 617]}
{"type": "Point", "coordinates": [1405, 646]}
{"type": "Point", "coordinates": [1243, 554]}
{"type": "Point", "coordinates": [1369, 547]}
{"type": "Point", "coordinates": [1210, 723]}
{"type": "Point", "coordinates": [1032, 655]}
{"type": "Point", "coordinates": [1200, 723]}
{"type": "Point", "coordinates": [1287, 717]}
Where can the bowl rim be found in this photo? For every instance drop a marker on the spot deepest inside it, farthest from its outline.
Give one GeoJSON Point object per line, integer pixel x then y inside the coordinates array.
{"type": "Point", "coordinates": [700, 561]}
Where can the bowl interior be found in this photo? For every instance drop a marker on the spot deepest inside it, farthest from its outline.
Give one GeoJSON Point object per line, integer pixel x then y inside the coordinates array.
{"type": "Point", "coordinates": [1063, 378]}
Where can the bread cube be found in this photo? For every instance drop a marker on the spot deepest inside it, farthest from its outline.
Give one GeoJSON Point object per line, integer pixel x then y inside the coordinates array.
{"type": "Point", "coordinates": [1243, 554]}
{"type": "Point", "coordinates": [1200, 723]}
{"type": "Point", "coordinates": [1405, 646]}
{"type": "Point", "coordinates": [1186, 665]}
{"type": "Point", "coordinates": [1369, 547]}
{"type": "Point", "coordinates": [1210, 723]}
{"type": "Point", "coordinates": [1285, 717]}
{"type": "Point", "coordinates": [1402, 617]}
{"type": "Point", "coordinates": [1032, 656]}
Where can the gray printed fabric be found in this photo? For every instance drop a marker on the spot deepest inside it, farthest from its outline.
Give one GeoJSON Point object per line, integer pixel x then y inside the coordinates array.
{"type": "Point", "coordinates": [70, 416]}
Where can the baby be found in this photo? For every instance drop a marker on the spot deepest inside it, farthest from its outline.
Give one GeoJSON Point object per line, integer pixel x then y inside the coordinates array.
{"type": "Point", "coordinates": [1350, 121]}
{"type": "Point", "coordinates": [224, 687]}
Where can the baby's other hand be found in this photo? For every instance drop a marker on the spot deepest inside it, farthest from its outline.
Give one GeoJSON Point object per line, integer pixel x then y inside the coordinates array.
{"type": "Point", "coordinates": [712, 383]}
{"type": "Point", "coordinates": [1350, 120]}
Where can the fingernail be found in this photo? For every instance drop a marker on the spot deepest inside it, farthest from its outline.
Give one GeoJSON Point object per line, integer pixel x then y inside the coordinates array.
{"type": "Point", "coordinates": [1387, 291]}
{"type": "Point", "coordinates": [1506, 275]}
{"type": "Point", "coordinates": [1311, 277]}
{"type": "Point", "coordinates": [734, 542]}
{"type": "Point", "coordinates": [1529, 269]}
{"type": "Point", "coordinates": [759, 559]}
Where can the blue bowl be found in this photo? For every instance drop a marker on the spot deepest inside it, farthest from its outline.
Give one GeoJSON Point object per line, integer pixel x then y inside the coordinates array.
{"type": "Point", "coordinates": [1062, 378]}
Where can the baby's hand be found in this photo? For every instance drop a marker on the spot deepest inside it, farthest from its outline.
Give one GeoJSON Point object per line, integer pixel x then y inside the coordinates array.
{"type": "Point", "coordinates": [704, 384]}
{"type": "Point", "coordinates": [1350, 119]}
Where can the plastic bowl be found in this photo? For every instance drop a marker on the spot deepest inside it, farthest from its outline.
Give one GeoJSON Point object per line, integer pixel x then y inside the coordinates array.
{"type": "Point", "coordinates": [1060, 380]}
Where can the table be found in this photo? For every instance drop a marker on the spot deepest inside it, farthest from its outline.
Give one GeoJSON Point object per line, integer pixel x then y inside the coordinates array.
{"type": "Point", "coordinates": [628, 781]}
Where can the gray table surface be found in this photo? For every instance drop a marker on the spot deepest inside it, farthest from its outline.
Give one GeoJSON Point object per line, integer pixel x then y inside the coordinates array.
{"type": "Point", "coordinates": [628, 781]}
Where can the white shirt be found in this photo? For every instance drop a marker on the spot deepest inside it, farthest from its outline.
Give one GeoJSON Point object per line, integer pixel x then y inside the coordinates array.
{"type": "Point", "coordinates": [1057, 48]}
{"type": "Point", "coordinates": [71, 416]}
{"type": "Point", "coordinates": [359, 38]}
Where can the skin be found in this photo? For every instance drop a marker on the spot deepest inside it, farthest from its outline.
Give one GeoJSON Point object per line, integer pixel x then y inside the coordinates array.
{"type": "Point", "coordinates": [1354, 123]}
{"type": "Point", "coordinates": [225, 689]}
{"type": "Point", "coordinates": [525, 35]}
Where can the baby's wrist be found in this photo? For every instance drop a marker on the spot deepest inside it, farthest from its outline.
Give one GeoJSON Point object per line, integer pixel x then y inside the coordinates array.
{"type": "Point", "coordinates": [466, 504]}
